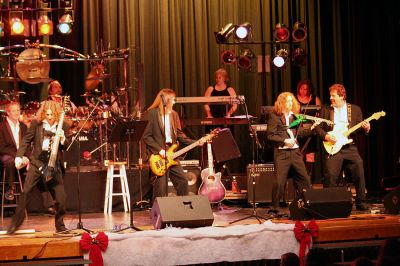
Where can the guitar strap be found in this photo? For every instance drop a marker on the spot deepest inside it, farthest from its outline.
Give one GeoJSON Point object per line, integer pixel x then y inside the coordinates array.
{"type": "Point", "coordinates": [349, 113]}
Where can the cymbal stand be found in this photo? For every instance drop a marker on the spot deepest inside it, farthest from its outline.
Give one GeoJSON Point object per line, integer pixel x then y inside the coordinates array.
{"type": "Point", "coordinates": [78, 168]}
{"type": "Point", "coordinates": [253, 135]}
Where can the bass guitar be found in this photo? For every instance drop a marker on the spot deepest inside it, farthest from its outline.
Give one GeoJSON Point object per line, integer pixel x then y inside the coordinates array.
{"type": "Point", "coordinates": [159, 165]}
{"type": "Point", "coordinates": [341, 135]}
{"type": "Point", "coordinates": [211, 185]}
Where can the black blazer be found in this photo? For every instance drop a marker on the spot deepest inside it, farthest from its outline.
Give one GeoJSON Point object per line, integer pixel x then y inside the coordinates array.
{"type": "Point", "coordinates": [34, 136]}
{"type": "Point", "coordinates": [277, 129]}
{"type": "Point", "coordinates": [154, 136]}
{"type": "Point", "coordinates": [7, 142]}
{"type": "Point", "coordinates": [327, 113]}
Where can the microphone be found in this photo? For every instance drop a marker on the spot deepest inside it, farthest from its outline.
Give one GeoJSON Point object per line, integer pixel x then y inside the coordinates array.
{"type": "Point", "coordinates": [164, 102]}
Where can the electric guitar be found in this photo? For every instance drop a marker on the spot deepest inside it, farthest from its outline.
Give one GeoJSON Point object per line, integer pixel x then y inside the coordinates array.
{"type": "Point", "coordinates": [159, 165]}
{"type": "Point", "coordinates": [211, 185]}
{"type": "Point", "coordinates": [342, 134]}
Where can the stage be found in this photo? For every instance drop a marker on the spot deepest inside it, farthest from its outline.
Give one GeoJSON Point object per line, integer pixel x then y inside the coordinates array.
{"type": "Point", "coordinates": [246, 240]}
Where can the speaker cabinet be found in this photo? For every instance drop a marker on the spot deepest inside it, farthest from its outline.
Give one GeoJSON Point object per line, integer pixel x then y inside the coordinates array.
{"type": "Point", "coordinates": [392, 201]}
{"type": "Point", "coordinates": [224, 146]}
{"type": "Point", "coordinates": [264, 180]}
{"type": "Point", "coordinates": [332, 202]}
{"type": "Point", "coordinates": [193, 177]}
{"type": "Point", "coordinates": [182, 211]}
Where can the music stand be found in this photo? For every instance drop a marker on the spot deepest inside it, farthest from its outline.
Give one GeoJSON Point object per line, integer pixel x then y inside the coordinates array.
{"type": "Point", "coordinates": [127, 131]}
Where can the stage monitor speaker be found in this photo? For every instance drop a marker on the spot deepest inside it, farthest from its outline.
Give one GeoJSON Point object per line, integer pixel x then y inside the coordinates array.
{"type": "Point", "coordinates": [193, 177]}
{"type": "Point", "coordinates": [332, 202]}
{"type": "Point", "coordinates": [264, 180]}
{"type": "Point", "coordinates": [224, 146]}
{"type": "Point", "coordinates": [392, 201]}
{"type": "Point", "coordinates": [181, 211]}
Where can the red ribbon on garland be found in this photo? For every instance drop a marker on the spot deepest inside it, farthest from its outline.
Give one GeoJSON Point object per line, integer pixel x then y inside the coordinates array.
{"type": "Point", "coordinates": [95, 245]}
{"type": "Point", "coordinates": [304, 235]}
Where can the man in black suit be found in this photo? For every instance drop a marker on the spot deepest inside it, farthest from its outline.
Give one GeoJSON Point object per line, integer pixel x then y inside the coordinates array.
{"type": "Point", "coordinates": [156, 137]}
{"type": "Point", "coordinates": [344, 115]}
{"type": "Point", "coordinates": [41, 135]}
{"type": "Point", "coordinates": [11, 133]}
{"type": "Point", "coordinates": [287, 154]}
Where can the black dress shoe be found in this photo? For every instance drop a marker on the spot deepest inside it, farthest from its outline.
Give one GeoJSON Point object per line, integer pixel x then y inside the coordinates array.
{"type": "Point", "coordinates": [362, 206]}
{"type": "Point", "coordinates": [11, 229]}
{"type": "Point", "coordinates": [9, 195]}
{"type": "Point", "coordinates": [61, 229]}
{"type": "Point", "coordinates": [51, 211]}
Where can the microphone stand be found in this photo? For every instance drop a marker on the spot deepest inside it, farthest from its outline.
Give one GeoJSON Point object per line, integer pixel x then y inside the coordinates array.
{"type": "Point", "coordinates": [78, 169]}
{"type": "Point", "coordinates": [164, 103]}
{"type": "Point", "coordinates": [255, 141]}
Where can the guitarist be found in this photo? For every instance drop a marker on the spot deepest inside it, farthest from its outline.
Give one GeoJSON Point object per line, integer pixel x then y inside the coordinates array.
{"type": "Point", "coordinates": [344, 114]}
{"type": "Point", "coordinates": [156, 137]}
{"type": "Point", "coordinates": [40, 135]}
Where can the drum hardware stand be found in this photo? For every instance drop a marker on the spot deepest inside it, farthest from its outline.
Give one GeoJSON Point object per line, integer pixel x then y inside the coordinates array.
{"type": "Point", "coordinates": [78, 168]}
{"type": "Point", "coordinates": [122, 132]}
{"type": "Point", "coordinates": [255, 141]}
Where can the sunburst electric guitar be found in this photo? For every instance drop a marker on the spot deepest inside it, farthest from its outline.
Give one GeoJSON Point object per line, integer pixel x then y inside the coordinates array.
{"type": "Point", "coordinates": [159, 165]}
{"type": "Point", "coordinates": [342, 135]}
{"type": "Point", "coordinates": [211, 185]}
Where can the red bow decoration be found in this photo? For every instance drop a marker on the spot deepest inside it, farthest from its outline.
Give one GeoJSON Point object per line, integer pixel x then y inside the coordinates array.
{"type": "Point", "coordinates": [303, 234]}
{"type": "Point", "coordinates": [94, 245]}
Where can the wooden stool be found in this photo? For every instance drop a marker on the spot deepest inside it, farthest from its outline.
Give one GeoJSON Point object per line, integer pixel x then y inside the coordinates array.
{"type": "Point", "coordinates": [14, 202]}
{"type": "Point", "coordinates": [112, 167]}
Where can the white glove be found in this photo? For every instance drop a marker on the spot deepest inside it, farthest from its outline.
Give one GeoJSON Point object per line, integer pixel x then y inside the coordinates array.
{"type": "Point", "coordinates": [18, 162]}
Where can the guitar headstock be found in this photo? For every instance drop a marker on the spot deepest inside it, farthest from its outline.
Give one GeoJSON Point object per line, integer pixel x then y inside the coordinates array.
{"type": "Point", "coordinates": [66, 103]}
{"type": "Point", "coordinates": [210, 136]}
{"type": "Point", "coordinates": [378, 115]}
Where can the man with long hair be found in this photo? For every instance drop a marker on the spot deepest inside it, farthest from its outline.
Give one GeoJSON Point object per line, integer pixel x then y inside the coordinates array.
{"type": "Point", "coordinates": [287, 154]}
{"type": "Point", "coordinates": [41, 135]}
{"type": "Point", "coordinates": [162, 131]}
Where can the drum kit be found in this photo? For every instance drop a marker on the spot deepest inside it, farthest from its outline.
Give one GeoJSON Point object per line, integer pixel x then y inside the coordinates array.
{"type": "Point", "coordinates": [93, 120]}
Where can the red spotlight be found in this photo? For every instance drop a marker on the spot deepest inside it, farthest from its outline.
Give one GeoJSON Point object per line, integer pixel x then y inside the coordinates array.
{"type": "Point", "coordinates": [281, 32]}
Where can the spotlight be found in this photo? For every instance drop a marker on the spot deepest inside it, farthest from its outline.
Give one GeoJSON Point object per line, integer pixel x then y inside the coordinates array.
{"type": "Point", "coordinates": [65, 24]}
{"type": "Point", "coordinates": [281, 32]}
{"type": "Point", "coordinates": [1, 29]}
{"type": "Point", "coordinates": [223, 35]}
{"type": "Point", "coordinates": [45, 25]}
{"type": "Point", "coordinates": [17, 26]}
{"type": "Point", "coordinates": [243, 32]}
{"type": "Point", "coordinates": [299, 32]}
{"type": "Point", "coordinates": [299, 57]}
{"type": "Point", "coordinates": [244, 62]}
{"type": "Point", "coordinates": [228, 56]}
{"type": "Point", "coordinates": [280, 58]}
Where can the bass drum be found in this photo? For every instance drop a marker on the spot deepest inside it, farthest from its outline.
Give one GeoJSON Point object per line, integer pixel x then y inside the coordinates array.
{"type": "Point", "coordinates": [87, 144]}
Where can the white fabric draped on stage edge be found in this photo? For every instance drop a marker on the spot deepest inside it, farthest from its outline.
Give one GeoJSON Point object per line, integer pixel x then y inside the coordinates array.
{"type": "Point", "coordinates": [178, 246]}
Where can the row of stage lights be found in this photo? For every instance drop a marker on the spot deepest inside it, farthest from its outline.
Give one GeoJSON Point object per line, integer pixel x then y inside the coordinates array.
{"type": "Point", "coordinates": [42, 24]}
{"type": "Point", "coordinates": [242, 34]}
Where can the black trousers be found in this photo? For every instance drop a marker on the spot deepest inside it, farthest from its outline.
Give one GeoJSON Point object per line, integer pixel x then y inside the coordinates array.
{"type": "Point", "coordinates": [9, 168]}
{"type": "Point", "coordinates": [56, 188]}
{"type": "Point", "coordinates": [348, 157]}
{"type": "Point", "coordinates": [178, 179]}
{"type": "Point", "coordinates": [284, 160]}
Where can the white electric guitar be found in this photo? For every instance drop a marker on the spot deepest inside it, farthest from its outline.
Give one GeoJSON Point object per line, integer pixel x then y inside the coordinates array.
{"type": "Point", "coordinates": [342, 134]}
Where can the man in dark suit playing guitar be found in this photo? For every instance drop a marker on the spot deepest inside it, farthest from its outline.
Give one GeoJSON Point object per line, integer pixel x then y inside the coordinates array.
{"type": "Point", "coordinates": [42, 134]}
{"type": "Point", "coordinates": [344, 115]}
{"type": "Point", "coordinates": [11, 133]}
{"type": "Point", "coordinates": [156, 137]}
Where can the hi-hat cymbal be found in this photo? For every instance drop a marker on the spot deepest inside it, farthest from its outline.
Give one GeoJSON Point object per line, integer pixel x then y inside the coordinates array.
{"type": "Point", "coordinates": [100, 77]}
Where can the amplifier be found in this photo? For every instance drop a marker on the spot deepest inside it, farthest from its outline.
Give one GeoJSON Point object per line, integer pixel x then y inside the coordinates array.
{"type": "Point", "coordinates": [264, 177]}
{"type": "Point", "coordinates": [193, 177]}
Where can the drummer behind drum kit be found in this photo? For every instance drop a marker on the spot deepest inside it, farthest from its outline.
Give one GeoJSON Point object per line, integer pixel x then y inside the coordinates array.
{"type": "Point", "coordinates": [93, 122]}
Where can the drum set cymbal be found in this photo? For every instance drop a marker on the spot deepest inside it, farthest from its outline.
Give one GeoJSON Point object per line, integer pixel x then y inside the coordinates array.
{"type": "Point", "coordinates": [100, 77]}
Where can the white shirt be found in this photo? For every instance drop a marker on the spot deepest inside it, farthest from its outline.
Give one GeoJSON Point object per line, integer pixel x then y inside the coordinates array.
{"type": "Point", "coordinates": [340, 117]}
{"type": "Point", "coordinates": [168, 138]}
{"type": "Point", "coordinates": [290, 132]}
{"type": "Point", "coordinates": [14, 130]}
{"type": "Point", "coordinates": [47, 139]}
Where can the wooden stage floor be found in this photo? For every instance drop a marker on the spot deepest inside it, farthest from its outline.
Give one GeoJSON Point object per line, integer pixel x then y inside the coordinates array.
{"type": "Point", "coordinates": [44, 243]}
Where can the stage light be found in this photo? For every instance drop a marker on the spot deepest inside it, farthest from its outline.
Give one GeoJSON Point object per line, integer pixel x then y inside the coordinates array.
{"type": "Point", "coordinates": [64, 25]}
{"type": "Point", "coordinates": [228, 56]}
{"type": "Point", "coordinates": [299, 32]}
{"type": "Point", "coordinates": [281, 32]}
{"type": "Point", "coordinates": [45, 25]}
{"type": "Point", "coordinates": [280, 58]}
{"type": "Point", "coordinates": [243, 32]}
{"type": "Point", "coordinates": [1, 29]}
{"type": "Point", "coordinates": [17, 26]}
{"type": "Point", "coordinates": [299, 57]}
{"type": "Point", "coordinates": [244, 62]}
{"type": "Point", "coordinates": [223, 35]}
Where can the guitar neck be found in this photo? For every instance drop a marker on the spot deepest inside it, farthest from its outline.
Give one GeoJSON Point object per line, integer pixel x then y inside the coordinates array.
{"type": "Point", "coordinates": [356, 127]}
{"type": "Point", "coordinates": [186, 149]}
{"type": "Point", "coordinates": [313, 118]}
{"type": "Point", "coordinates": [210, 159]}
